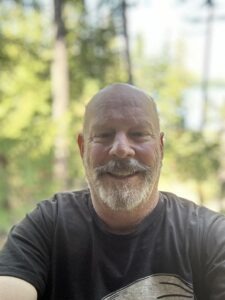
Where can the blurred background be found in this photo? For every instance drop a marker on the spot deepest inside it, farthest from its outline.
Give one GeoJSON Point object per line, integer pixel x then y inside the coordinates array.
{"type": "Point", "coordinates": [54, 55]}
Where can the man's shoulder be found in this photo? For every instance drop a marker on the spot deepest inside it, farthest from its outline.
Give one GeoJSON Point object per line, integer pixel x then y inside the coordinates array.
{"type": "Point", "coordinates": [171, 199]}
{"type": "Point", "coordinates": [63, 203]}
{"type": "Point", "coordinates": [185, 208]}
{"type": "Point", "coordinates": [78, 197]}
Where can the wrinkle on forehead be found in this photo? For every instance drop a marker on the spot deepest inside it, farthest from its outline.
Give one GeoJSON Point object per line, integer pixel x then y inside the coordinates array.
{"type": "Point", "coordinates": [118, 97]}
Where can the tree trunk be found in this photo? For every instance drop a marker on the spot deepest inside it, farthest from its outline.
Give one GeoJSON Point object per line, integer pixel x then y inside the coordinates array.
{"type": "Point", "coordinates": [127, 42]}
{"type": "Point", "coordinates": [206, 63]}
{"type": "Point", "coordinates": [4, 184]}
{"type": "Point", "coordinates": [60, 93]}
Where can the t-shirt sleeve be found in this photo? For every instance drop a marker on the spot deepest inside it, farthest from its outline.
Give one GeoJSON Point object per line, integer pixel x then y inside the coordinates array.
{"type": "Point", "coordinates": [26, 253]}
{"type": "Point", "coordinates": [214, 257]}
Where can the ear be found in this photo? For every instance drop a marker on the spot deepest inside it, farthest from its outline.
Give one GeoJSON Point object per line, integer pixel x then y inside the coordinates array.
{"type": "Point", "coordinates": [80, 142]}
{"type": "Point", "coordinates": [161, 144]}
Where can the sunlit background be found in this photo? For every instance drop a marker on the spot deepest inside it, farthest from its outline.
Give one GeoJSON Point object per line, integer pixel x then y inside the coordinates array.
{"type": "Point", "coordinates": [55, 55]}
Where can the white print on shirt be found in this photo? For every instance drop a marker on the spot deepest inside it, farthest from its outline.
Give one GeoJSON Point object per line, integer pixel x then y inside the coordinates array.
{"type": "Point", "coordinates": [157, 286]}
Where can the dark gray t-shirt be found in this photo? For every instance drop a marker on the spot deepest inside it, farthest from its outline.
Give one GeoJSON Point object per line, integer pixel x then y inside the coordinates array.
{"type": "Point", "coordinates": [65, 251]}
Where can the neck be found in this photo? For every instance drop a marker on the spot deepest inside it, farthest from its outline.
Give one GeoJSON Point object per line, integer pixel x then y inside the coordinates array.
{"type": "Point", "coordinates": [122, 221]}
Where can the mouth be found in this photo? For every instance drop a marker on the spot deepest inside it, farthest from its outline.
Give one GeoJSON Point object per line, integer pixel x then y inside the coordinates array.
{"type": "Point", "coordinates": [121, 176]}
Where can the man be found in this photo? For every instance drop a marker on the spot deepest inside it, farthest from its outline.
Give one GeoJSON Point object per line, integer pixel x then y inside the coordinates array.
{"type": "Point", "coordinates": [123, 239]}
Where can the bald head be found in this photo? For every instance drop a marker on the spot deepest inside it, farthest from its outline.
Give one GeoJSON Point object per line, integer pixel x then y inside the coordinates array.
{"type": "Point", "coordinates": [120, 95]}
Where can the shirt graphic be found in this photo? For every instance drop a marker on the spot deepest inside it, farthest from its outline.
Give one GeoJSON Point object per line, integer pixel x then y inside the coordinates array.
{"type": "Point", "coordinates": [157, 286]}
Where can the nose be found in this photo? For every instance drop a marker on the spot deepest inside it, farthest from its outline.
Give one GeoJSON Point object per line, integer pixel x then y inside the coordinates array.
{"type": "Point", "coordinates": [121, 147]}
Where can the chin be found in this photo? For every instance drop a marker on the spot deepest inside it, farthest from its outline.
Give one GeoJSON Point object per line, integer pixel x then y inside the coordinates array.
{"type": "Point", "coordinates": [125, 199]}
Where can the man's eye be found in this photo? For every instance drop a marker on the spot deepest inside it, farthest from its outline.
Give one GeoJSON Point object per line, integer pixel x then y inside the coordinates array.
{"type": "Point", "coordinates": [103, 135]}
{"type": "Point", "coordinates": [138, 134]}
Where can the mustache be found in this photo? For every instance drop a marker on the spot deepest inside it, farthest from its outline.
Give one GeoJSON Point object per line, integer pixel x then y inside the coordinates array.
{"type": "Point", "coordinates": [122, 167]}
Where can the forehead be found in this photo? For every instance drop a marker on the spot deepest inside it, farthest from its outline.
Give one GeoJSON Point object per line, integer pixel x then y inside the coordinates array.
{"type": "Point", "coordinates": [115, 111]}
{"type": "Point", "coordinates": [123, 105]}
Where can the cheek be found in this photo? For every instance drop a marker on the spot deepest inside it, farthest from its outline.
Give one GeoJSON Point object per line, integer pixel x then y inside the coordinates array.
{"type": "Point", "coordinates": [97, 155]}
{"type": "Point", "coordinates": [148, 153]}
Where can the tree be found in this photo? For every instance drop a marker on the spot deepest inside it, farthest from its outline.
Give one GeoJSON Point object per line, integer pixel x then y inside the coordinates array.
{"type": "Point", "coordinates": [206, 83]}
{"type": "Point", "coordinates": [189, 155]}
{"type": "Point", "coordinates": [28, 131]}
{"type": "Point", "coordinates": [127, 41]}
{"type": "Point", "coordinates": [118, 10]}
{"type": "Point", "coordinates": [60, 95]}
{"type": "Point", "coordinates": [25, 135]}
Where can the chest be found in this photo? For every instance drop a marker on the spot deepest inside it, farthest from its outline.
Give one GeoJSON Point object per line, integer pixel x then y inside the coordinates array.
{"type": "Point", "coordinates": [95, 265]}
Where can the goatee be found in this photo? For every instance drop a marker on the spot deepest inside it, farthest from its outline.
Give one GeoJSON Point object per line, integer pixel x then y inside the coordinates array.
{"type": "Point", "coordinates": [121, 195]}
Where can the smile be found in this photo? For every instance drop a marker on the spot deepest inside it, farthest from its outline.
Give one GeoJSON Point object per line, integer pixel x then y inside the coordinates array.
{"type": "Point", "coordinates": [121, 176]}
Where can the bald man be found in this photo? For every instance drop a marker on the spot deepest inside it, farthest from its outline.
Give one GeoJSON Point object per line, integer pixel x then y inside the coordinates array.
{"type": "Point", "coordinates": [121, 238]}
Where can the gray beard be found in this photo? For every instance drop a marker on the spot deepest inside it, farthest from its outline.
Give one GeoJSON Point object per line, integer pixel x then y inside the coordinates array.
{"type": "Point", "coordinates": [123, 197]}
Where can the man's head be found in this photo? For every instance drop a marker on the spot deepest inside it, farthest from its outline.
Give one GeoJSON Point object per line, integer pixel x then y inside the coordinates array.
{"type": "Point", "coordinates": [121, 147]}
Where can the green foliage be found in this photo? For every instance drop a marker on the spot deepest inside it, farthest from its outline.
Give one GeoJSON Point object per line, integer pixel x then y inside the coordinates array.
{"type": "Point", "coordinates": [26, 134]}
{"type": "Point", "coordinates": [189, 155]}
{"type": "Point", "coordinates": [192, 156]}
{"type": "Point", "coordinates": [27, 130]}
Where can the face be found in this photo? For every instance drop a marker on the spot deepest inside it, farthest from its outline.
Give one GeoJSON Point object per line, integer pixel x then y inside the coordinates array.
{"type": "Point", "coordinates": [122, 152]}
